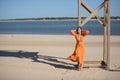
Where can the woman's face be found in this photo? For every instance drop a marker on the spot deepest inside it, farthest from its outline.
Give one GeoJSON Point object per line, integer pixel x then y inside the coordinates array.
{"type": "Point", "coordinates": [79, 31]}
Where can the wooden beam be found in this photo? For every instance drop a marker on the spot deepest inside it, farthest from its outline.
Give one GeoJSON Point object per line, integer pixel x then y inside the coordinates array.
{"type": "Point", "coordinates": [93, 13]}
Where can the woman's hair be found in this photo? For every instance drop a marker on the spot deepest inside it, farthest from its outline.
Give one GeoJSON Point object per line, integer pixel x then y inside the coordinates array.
{"type": "Point", "coordinates": [77, 30]}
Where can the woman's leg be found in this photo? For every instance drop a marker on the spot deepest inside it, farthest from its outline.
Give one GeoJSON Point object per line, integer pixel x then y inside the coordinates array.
{"type": "Point", "coordinates": [82, 58]}
{"type": "Point", "coordinates": [79, 66]}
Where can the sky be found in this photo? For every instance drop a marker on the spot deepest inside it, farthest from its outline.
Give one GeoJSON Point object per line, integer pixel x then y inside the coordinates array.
{"type": "Point", "coordinates": [12, 9]}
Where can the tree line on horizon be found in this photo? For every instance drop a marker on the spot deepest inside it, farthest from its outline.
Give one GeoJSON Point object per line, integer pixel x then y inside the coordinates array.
{"type": "Point", "coordinates": [57, 18]}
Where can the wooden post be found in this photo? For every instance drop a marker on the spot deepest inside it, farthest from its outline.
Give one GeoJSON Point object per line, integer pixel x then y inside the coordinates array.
{"type": "Point", "coordinates": [106, 43]}
{"type": "Point", "coordinates": [105, 36]}
{"type": "Point", "coordinates": [108, 34]}
{"type": "Point", "coordinates": [79, 13]}
{"type": "Point", "coordinates": [105, 46]}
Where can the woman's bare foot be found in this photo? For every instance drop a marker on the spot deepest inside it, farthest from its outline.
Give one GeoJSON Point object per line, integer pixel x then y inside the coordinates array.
{"type": "Point", "coordinates": [79, 69]}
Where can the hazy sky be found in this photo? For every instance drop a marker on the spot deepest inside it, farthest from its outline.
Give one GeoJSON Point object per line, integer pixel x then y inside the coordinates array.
{"type": "Point", "coordinates": [11, 9]}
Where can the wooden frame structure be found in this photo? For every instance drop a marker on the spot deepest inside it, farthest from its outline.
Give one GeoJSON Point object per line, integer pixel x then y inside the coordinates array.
{"type": "Point", "coordinates": [105, 22]}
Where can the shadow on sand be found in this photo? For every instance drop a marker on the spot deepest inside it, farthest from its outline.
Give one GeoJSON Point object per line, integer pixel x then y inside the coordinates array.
{"type": "Point", "coordinates": [57, 62]}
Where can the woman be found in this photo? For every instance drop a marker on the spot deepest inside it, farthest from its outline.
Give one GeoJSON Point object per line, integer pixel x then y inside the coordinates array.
{"type": "Point", "coordinates": [78, 55]}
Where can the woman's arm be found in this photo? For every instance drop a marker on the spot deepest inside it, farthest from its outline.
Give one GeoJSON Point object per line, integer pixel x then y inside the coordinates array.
{"type": "Point", "coordinates": [85, 32]}
{"type": "Point", "coordinates": [73, 32]}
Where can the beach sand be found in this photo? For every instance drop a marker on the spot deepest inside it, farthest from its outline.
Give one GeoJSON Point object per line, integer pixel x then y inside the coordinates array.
{"type": "Point", "coordinates": [44, 57]}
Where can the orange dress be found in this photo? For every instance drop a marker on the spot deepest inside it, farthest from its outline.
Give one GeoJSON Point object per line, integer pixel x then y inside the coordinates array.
{"type": "Point", "coordinates": [78, 55]}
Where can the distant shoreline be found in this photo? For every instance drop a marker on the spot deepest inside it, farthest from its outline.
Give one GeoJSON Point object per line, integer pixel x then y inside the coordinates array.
{"type": "Point", "coordinates": [47, 20]}
{"type": "Point", "coordinates": [34, 20]}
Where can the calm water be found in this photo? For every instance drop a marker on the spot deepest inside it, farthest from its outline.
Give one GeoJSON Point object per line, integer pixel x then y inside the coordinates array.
{"type": "Point", "coordinates": [54, 27]}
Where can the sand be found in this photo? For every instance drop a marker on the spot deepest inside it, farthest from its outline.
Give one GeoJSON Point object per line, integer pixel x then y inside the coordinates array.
{"type": "Point", "coordinates": [44, 57]}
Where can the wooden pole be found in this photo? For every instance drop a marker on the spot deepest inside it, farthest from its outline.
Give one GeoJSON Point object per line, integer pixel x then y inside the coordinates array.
{"type": "Point", "coordinates": [105, 36]}
{"type": "Point", "coordinates": [79, 13]}
{"type": "Point", "coordinates": [105, 46]}
{"type": "Point", "coordinates": [108, 34]}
